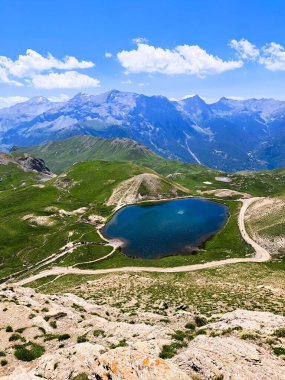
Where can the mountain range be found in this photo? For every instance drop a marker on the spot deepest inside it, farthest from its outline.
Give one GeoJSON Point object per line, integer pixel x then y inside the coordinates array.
{"type": "Point", "coordinates": [229, 135]}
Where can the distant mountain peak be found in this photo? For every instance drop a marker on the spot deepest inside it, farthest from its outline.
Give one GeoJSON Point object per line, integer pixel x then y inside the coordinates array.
{"type": "Point", "coordinates": [37, 100]}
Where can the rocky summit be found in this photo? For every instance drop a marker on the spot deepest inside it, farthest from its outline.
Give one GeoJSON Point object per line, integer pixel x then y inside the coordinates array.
{"type": "Point", "coordinates": [227, 135]}
{"type": "Point", "coordinates": [69, 337]}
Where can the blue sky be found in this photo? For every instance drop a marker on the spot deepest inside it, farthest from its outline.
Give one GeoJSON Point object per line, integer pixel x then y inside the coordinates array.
{"type": "Point", "coordinates": [213, 48]}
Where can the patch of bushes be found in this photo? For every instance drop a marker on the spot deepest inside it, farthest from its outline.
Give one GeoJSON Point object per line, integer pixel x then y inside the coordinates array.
{"type": "Point", "coordinates": [59, 315]}
{"type": "Point", "coordinates": [280, 333]}
{"type": "Point", "coordinates": [9, 329]}
{"type": "Point", "coordinates": [190, 326]}
{"type": "Point", "coordinates": [63, 337]}
{"type": "Point", "coordinates": [201, 332]}
{"type": "Point", "coordinates": [200, 321]}
{"type": "Point", "coordinates": [122, 343]}
{"type": "Point", "coordinates": [248, 335]}
{"type": "Point", "coordinates": [59, 337]}
{"type": "Point", "coordinates": [28, 351]}
{"type": "Point", "coordinates": [21, 330]}
{"type": "Point", "coordinates": [53, 324]}
{"type": "Point", "coordinates": [3, 362]}
{"type": "Point", "coordinates": [279, 350]}
{"type": "Point", "coordinates": [78, 308]}
{"type": "Point", "coordinates": [98, 332]}
{"type": "Point", "coordinates": [2, 353]}
{"type": "Point", "coordinates": [179, 335]}
{"type": "Point", "coordinates": [15, 337]}
{"type": "Point", "coordinates": [81, 376]}
{"type": "Point", "coordinates": [82, 339]}
{"type": "Point", "coordinates": [170, 350]}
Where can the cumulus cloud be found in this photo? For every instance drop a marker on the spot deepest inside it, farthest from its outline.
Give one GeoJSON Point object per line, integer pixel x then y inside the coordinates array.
{"type": "Point", "coordinates": [139, 40]}
{"type": "Point", "coordinates": [108, 55]}
{"type": "Point", "coordinates": [33, 62]}
{"type": "Point", "coordinates": [8, 101]}
{"type": "Point", "coordinates": [184, 59]}
{"type": "Point", "coordinates": [245, 49]}
{"type": "Point", "coordinates": [273, 57]}
{"type": "Point", "coordinates": [4, 77]}
{"type": "Point", "coordinates": [235, 97]}
{"type": "Point", "coordinates": [31, 67]}
{"type": "Point", "coordinates": [128, 81]}
{"type": "Point", "coordinates": [68, 79]}
{"type": "Point", "coordinates": [59, 98]}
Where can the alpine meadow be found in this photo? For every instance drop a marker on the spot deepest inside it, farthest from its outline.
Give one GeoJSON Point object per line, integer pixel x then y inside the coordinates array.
{"type": "Point", "coordinates": [142, 190]}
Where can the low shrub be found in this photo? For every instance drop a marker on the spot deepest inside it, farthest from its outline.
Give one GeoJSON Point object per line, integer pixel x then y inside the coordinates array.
{"type": "Point", "coordinates": [179, 335]}
{"type": "Point", "coordinates": [122, 343]}
{"type": "Point", "coordinates": [28, 351]}
{"type": "Point", "coordinates": [82, 339]}
{"type": "Point", "coordinates": [280, 333]}
{"type": "Point", "coordinates": [200, 321]}
{"type": "Point", "coordinates": [190, 326]}
{"type": "Point", "coordinates": [170, 350]}
{"type": "Point", "coordinates": [15, 337]}
{"type": "Point", "coordinates": [98, 332]}
{"type": "Point", "coordinates": [279, 350]}
{"type": "Point", "coordinates": [81, 376]}
{"type": "Point", "coordinates": [53, 324]}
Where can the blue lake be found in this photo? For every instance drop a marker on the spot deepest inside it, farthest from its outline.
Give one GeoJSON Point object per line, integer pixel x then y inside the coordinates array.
{"type": "Point", "coordinates": [156, 230]}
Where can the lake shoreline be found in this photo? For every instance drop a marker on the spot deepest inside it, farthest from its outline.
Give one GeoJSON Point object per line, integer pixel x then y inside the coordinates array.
{"type": "Point", "coordinates": [215, 220]}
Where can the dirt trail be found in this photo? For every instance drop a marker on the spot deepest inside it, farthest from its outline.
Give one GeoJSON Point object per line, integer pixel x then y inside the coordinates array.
{"type": "Point", "coordinates": [261, 255]}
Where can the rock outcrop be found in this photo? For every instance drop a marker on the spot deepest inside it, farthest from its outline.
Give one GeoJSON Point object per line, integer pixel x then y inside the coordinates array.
{"type": "Point", "coordinates": [35, 164]}
{"type": "Point", "coordinates": [81, 337]}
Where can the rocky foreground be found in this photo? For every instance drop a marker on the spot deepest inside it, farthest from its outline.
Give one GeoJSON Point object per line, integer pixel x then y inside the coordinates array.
{"type": "Point", "coordinates": [67, 337]}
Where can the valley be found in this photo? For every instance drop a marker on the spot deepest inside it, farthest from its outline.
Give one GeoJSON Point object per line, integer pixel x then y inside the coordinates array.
{"type": "Point", "coordinates": [228, 135]}
{"type": "Point", "coordinates": [142, 190]}
{"type": "Point", "coordinates": [77, 292]}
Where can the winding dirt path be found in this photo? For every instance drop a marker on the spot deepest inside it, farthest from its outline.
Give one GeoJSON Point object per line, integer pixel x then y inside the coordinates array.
{"type": "Point", "coordinates": [261, 255]}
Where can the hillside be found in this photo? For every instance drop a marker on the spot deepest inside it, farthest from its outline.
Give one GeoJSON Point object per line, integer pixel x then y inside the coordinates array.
{"type": "Point", "coordinates": [147, 186]}
{"type": "Point", "coordinates": [228, 135]}
{"type": "Point", "coordinates": [41, 219]}
{"type": "Point", "coordinates": [80, 336]}
{"type": "Point", "coordinates": [59, 155]}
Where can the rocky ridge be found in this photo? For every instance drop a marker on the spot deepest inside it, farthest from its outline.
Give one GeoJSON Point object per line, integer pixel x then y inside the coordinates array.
{"type": "Point", "coordinates": [100, 342]}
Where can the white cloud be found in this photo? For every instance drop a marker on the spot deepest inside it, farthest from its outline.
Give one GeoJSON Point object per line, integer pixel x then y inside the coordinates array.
{"type": "Point", "coordinates": [143, 84]}
{"type": "Point", "coordinates": [4, 77]}
{"type": "Point", "coordinates": [187, 96]}
{"type": "Point", "coordinates": [32, 67]}
{"type": "Point", "coordinates": [139, 40]}
{"type": "Point", "coordinates": [33, 62]}
{"type": "Point", "coordinates": [128, 81]}
{"type": "Point", "coordinates": [273, 57]}
{"type": "Point", "coordinates": [59, 98]}
{"type": "Point", "coordinates": [235, 97]}
{"type": "Point", "coordinates": [245, 49]}
{"type": "Point", "coordinates": [108, 55]}
{"type": "Point", "coordinates": [69, 79]}
{"type": "Point", "coordinates": [8, 101]}
{"type": "Point", "coordinates": [184, 59]}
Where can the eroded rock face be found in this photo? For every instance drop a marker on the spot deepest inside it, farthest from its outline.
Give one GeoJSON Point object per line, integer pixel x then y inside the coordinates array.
{"type": "Point", "coordinates": [36, 164]}
{"type": "Point", "coordinates": [120, 348]}
{"type": "Point", "coordinates": [261, 322]}
{"type": "Point", "coordinates": [122, 363]}
{"type": "Point", "coordinates": [230, 358]}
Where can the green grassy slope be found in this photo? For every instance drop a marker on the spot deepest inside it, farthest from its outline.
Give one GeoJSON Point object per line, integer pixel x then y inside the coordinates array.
{"type": "Point", "coordinates": [24, 241]}
{"type": "Point", "coordinates": [59, 155]}
{"type": "Point", "coordinates": [31, 225]}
